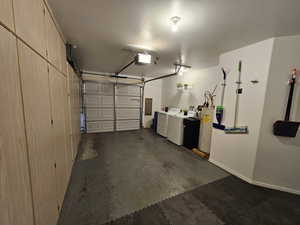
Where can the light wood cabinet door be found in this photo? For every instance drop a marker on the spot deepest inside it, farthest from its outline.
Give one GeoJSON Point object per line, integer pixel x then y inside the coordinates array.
{"type": "Point", "coordinates": [63, 57]}
{"type": "Point", "coordinates": [15, 192]}
{"type": "Point", "coordinates": [68, 127]}
{"type": "Point", "coordinates": [76, 106]}
{"type": "Point", "coordinates": [70, 110]}
{"type": "Point", "coordinates": [35, 87]}
{"type": "Point", "coordinates": [58, 104]}
{"type": "Point", "coordinates": [30, 23]}
{"type": "Point", "coordinates": [6, 13]}
{"type": "Point", "coordinates": [54, 49]}
{"type": "Point", "coordinates": [74, 109]}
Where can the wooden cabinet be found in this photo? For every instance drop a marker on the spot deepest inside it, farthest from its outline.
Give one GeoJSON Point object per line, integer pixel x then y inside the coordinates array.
{"type": "Point", "coordinates": [70, 111]}
{"type": "Point", "coordinates": [68, 125]}
{"type": "Point", "coordinates": [6, 13]}
{"type": "Point", "coordinates": [58, 108]}
{"type": "Point", "coordinates": [15, 193]}
{"type": "Point", "coordinates": [41, 151]}
{"type": "Point", "coordinates": [74, 107]}
{"type": "Point", "coordinates": [54, 49]}
{"type": "Point", "coordinates": [36, 129]}
{"type": "Point", "coordinates": [63, 56]}
{"type": "Point", "coordinates": [30, 23]}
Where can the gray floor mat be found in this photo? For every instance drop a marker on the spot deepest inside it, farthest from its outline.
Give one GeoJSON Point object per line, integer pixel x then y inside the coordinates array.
{"type": "Point", "coordinates": [228, 201]}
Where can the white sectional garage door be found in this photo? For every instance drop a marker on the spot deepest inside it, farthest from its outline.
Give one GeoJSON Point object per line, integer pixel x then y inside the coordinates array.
{"type": "Point", "coordinates": [110, 107]}
{"type": "Point", "coordinates": [99, 106]}
{"type": "Point", "coordinates": [128, 106]}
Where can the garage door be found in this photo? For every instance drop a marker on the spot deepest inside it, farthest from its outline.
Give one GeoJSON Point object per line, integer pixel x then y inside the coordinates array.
{"type": "Point", "coordinates": [128, 106]}
{"type": "Point", "coordinates": [110, 107]}
{"type": "Point", "coordinates": [99, 107]}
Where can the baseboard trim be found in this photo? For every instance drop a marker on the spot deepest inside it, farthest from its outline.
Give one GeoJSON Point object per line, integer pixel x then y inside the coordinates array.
{"type": "Point", "coordinates": [275, 187]}
{"type": "Point", "coordinates": [229, 170]}
{"type": "Point", "coordinates": [254, 182]}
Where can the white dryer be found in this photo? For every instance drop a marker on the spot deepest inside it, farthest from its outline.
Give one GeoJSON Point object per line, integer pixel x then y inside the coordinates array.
{"type": "Point", "coordinates": [162, 121]}
{"type": "Point", "coordinates": [176, 128]}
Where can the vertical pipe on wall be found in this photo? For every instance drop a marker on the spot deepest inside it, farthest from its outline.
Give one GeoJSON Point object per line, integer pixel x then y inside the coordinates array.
{"type": "Point", "coordinates": [142, 89]}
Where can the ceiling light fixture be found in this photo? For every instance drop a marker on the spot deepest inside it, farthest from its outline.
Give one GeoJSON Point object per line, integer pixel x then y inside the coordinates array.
{"type": "Point", "coordinates": [143, 58]}
{"type": "Point", "coordinates": [175, 20]}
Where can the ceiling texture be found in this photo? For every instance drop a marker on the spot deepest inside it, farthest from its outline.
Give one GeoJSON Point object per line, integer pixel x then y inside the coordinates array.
{"type": "Point", "coordinates": [108, 31]}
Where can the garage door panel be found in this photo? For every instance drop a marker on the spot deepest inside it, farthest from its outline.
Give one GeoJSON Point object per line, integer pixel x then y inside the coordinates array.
{"type": "Point", "coordinates": [131, 90]}
{"type": "Point", "coordinates": [107, 126]}
{"type": "Point", "coordinates": [107, 89]}
{"type": "Point", "coordinates": [107, 101]}
{"type": "Point", "coordinates": [93, 114]}
{"type": "Point", "coordinates": [128, 102]}
{"type": "Point", "coordinates": [100, 126]}
{"type": "Point", "coordinates": [91, 88]}
{"type": "Point", "coordinates": [123, 125]}
{"type": "Point", "coordinates": [98, 88]}
{"type": "Point", "coordinates": [92, 127]}
{"type": "Point", "coordinates": [128, 114]}
{"type": "Point", "coordinates": [102, 100]}
{"type": "Point", "coordinates": [108, 114]}
{"type": "Point", "coordinates": [99, 114]}
{"type": "Point", "coordinates": [92, 100]}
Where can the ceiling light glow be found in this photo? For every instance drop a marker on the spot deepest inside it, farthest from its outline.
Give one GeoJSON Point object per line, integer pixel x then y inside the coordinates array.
{"type": "Point", "coordinates": [175, 23]}
{"type": "Point", "coordinates": [143, 58]}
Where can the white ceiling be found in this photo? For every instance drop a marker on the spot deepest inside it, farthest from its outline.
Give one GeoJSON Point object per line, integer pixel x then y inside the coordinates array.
{"type": "Point", "coordinates": [102, 29]}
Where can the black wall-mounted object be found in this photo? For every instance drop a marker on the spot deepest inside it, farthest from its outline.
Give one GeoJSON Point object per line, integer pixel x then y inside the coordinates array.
{"type": "Point", "coordinates": [287, 128]}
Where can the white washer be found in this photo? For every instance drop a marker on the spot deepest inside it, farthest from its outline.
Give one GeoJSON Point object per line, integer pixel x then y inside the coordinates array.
{"type": "Point", "coordinates": [162, 121]}
{"type": "Point", "coordinates": [176, 128]}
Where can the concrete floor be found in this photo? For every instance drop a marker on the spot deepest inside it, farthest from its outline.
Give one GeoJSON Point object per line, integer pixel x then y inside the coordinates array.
{"type": "Point", "coordinates": [228, 201]}
{"type": "Point", "coordinates": [119, 173]}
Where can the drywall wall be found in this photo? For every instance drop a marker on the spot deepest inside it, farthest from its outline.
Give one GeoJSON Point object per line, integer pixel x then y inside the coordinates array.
{"type": "Point", "coordinates": [237, 152]}
{"type": "Point", "coordinates": [152, 90]}
{"type": "Point", "coordinates": [200, 81]}
{"type": "Point", "coordinates": [277, 161]}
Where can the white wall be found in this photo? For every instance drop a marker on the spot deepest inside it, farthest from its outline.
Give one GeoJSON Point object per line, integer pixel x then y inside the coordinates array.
{"type": "Point", "coordinates": [237, 152]}
{"type": "Point", "coordinates": [258, 157]}
{"type": "Point", "coordinates": [152, 90]}
{"type": "Point", "coordinates": [278, 158]}
{"type": "Point", "coordinates": [201, 80]}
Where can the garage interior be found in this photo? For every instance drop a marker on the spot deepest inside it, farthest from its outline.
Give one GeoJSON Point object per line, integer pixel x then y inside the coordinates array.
{"type": "Point", "coordinates": [149, 112]}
